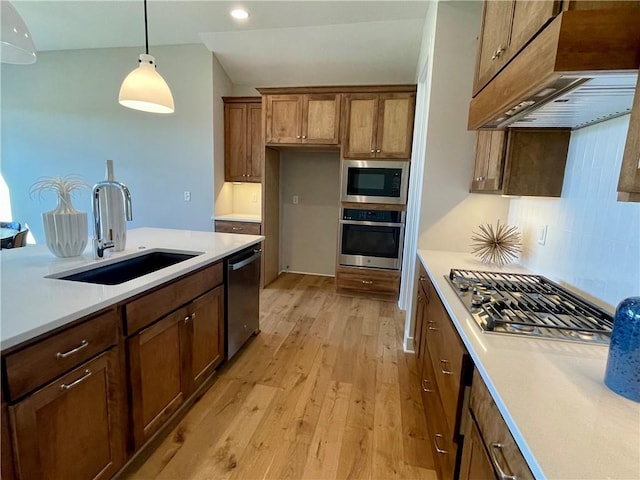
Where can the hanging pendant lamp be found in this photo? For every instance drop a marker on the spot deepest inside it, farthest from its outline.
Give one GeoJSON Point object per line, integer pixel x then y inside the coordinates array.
{"type": "Point", "coordinates": [17, 44]}
{"type": "Point", "coordinates": [144, 88]}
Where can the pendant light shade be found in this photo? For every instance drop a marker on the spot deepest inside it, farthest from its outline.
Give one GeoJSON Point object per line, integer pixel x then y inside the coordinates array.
{"type": "Point", "coordinates": [144, 88]}
{"type": "Point", "coordinates": [17, 44]}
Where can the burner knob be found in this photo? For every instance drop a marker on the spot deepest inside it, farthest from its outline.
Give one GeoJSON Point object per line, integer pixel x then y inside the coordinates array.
{"type": "Point", "coordinates": [463, 286]}
{"type": "Point", "coordinates": [477, 300]}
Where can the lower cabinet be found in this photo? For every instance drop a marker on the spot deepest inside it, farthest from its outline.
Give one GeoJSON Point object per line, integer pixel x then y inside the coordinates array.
{"type": "Point", "coordinates": [231, 226]}
{"type": "Point", "coordinates": [71, 428]}
{"type": "Point", "coordinates": [445, 372]}
{"type": "Point", "coordinates": [490, 451]}
{"type": "Point", "coordinates": [368, 280]}
{"type": "Point", "coordinates": [171, 358]}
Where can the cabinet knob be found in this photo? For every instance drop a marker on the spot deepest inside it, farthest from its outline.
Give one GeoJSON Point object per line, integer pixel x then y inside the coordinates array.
{"type": "Point", "coordinates": [377, 151]}
{"type": "Point", "coordinates": [422, 278]}
{"type": "Point", "coordinates": [372, 151]}
{"type": "Point", "coordinates": [237, 229]}
{"type": "Point", "coordinates": [304, 136]}
{"type": "Point", "coordinates": [367, 282]}
{"type": "Point", "coordinates": [297, 136]}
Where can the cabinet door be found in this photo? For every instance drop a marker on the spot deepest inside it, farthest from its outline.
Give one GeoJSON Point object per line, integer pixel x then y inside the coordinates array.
{"type": "Point", "coordinates": [360, 125]}
{"type": "Point", "coordinates": [7, 471]}
{"type": "Point", "coordinates": [283, 119]}
{"type": "Point", "coordinates": [494, 40]}
{"type": "Point", "coordinates": [205, 336]}
{"type": "Point", "coordinates": [157, 374]}
{"type": "Point", "coordinates": [629, 182]}
{"type": "Point", "coordinates": [235, 141]}
{"type": "Point", "coordinates": [395, 125]}
{"type": "Point", "coordinates": [475, 464]}
{"type": "Point", "coordinates": [418, 334]}
{"type": "Point", "coordinates": [255, 146]}
{"type": "Point", "coordinates": [72, 428]}
{"type": "Point", "coordinates": [321, 119]}
{"type": "Point", "coordinates": [489, 161]}
{"type": "Point", "coordinates": [529, 17]}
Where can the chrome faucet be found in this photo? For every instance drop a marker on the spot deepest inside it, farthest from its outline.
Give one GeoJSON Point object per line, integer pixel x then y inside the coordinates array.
{"type": "Point", "coordinates": [100, 244]}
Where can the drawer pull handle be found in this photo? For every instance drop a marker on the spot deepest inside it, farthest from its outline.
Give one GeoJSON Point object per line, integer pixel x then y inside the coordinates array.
{"type": "Point", "coordinates": [444, 367]}
{"type": "Point", "coordinates": [83, 344]}
{"type": "Point", "coordinates": [494, 459]}
{"type": "Point", "coordinates": [425, 386]}
{"type": "Point", "coordinates": [435, 444]}
{"type": "Point", "coordinates": [236, 229]}
{"type": "Point", "coordinates": [367, 282]}
{"type": "Point", "coordinates": [430, 326]}
{"type": "Point", "coordinates": [422, 278]}
{"type": "Point", "coordinates": [64, 386]}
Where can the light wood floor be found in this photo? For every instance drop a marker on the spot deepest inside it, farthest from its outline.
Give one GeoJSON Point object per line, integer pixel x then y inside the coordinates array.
{"type": "Point", "coordinates": [324, 391]}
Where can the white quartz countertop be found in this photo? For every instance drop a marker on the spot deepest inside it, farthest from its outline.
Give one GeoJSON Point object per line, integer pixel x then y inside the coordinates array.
{"type": "Point", "coordinates": [239, 217]}
{"type": "Point", "coordinates": [567, 423]}
{"type": "Point", "coordinates": [32, 304]}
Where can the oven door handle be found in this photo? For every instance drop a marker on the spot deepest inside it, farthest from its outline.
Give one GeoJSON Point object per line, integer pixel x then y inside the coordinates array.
{"type": "Point", "coordinates": [371, 224]}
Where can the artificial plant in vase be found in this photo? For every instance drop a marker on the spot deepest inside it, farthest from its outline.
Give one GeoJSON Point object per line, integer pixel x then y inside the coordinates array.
{"type": "Point", "coordinates": [65, 228]}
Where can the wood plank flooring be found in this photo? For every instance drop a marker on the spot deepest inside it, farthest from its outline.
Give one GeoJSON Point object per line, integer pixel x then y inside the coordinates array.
{"type": "Point", "coordinates": [325, 391]}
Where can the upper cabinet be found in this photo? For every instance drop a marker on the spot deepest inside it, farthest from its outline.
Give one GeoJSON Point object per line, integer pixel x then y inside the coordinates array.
{"type": "Point", "coordinates": [312, 119]}
{"type": "Point", "coordinates": [629, 182]}
{"type": "Point", "coordinates": [243, 148]}
{"type": "Point", "coordinates": [378, 125]}
{"type": "Point", "coordinates": [521, 161]}
{"type": "Point", "coordinates": [507, 26]}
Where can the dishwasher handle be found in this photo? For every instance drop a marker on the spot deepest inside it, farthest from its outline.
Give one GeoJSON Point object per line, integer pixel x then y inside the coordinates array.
{"type": "Point", "coordinates": [243, 263]}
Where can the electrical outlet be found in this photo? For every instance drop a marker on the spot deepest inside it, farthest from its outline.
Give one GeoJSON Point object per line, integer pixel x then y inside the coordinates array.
{"type": "Point", "coordinates": [295, 199]}
{"type": "Point", "coordinates": [542, 234]}
{"type": "Point", "coordinates": [187, 196]}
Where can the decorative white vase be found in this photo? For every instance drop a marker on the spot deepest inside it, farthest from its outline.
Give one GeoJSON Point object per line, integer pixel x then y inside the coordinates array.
{"type": "Point", "coordinates": [65, 228]}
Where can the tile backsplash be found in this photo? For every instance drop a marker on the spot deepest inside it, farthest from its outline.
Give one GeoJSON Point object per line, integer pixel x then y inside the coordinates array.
{"type": "Point", "coordinates": [593, 241]}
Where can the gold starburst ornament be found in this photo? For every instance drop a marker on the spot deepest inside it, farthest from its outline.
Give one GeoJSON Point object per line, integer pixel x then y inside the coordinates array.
{"type": "Point", "coordinates": [500, 244]}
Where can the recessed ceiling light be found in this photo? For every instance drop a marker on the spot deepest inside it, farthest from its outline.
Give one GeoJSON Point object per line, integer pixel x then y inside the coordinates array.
{"type": "Point", "coordinates": [240, 14]}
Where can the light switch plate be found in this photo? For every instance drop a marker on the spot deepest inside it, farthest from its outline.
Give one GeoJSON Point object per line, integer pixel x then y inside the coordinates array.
{"type": "Point", "coordinates": [542, 234]}
{"type": "Point", "coordinates": [295, 199]}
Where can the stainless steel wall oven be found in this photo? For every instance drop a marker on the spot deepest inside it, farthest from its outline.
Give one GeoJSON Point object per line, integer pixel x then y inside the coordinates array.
{"type": "Point", "coordinates": [371, 238]}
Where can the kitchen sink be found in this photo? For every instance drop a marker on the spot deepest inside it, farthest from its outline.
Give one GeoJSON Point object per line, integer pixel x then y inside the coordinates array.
{"type": "Point", "coordinates": [128, 269]}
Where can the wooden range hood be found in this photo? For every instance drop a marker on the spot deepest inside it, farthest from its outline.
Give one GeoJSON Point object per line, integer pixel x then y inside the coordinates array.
{"type": "Point", "coordinates": [581, 69]}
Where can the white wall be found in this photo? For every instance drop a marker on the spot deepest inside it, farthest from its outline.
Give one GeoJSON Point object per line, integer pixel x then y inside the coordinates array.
{"type": "Point", "coordinates": [61, 116]}
{"type": "Point", "coordinates": [223, 192]}
{"type": "Point", "coordinates": [247, 198]}
{"type": "Point", "coordinates": [593, 241]}
{"type": "Point", "coordinates": [309, 230]}
{"type": "Point", "coordinates": [448, 211]}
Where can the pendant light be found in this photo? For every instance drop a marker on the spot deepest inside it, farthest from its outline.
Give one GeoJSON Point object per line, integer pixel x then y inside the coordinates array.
{"type": "Point", "coordinates": [17, 44]}
{"type": "Point", "coordinates": [144, 88]}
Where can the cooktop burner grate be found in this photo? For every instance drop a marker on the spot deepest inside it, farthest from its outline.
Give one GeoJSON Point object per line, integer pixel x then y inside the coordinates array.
{"type": "Point", "coordinates": [532, 305]}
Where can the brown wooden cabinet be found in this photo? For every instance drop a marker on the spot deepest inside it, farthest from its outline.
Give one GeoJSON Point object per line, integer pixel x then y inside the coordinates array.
{"type": "Point", "coordinates": [629, 182]}
{"type": "Point", "coordinates": [530, 162]}
{"type": "Point", "coordinates": [489, 452]}
{"type": "Point", "coordinates": [444, 369]}
{"type": "Point", "coordinates": [172, 356]}
{"type": "Point", "coordinates": [307, 119]}
{"type": "Point", "coordinates": [243, 145]}
{"type": "Point", "coordinates": [507, 26]}
{"type": "Point", "coordinates": [384, 283]}
{"type": "Point", "coordinates": [230, 226]}
{"type": "Point", "coordinates": [378, 125]}
{"type": "Point", "coordinates": [71, 428]}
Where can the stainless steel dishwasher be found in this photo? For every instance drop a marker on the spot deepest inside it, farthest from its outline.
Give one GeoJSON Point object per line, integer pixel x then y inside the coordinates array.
{"type": "Point", "coordinates": [242, 299]}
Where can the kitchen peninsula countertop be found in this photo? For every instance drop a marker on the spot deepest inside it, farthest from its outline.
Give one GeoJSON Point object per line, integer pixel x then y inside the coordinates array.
{"type": "Point", "coordinates": [31, 304]}
{"type": "Point", "coordinates": [567, 423]}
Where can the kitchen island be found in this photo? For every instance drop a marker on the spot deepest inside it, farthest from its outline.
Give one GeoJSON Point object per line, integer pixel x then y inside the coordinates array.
{"type": "Point", "coordinates": [551, 394]}
{"type": "Point", "coordinates": [102, 369]}
{"type": "Point", "coordinates": [32, 304]}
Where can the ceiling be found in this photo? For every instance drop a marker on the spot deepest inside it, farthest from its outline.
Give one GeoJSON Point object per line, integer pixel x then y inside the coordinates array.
{"type": "Point", "coordinates": [281, 43]}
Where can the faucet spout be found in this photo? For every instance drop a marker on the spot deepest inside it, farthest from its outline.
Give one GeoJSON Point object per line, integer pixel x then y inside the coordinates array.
{"type": "Point", "coordinates": [100, 244]}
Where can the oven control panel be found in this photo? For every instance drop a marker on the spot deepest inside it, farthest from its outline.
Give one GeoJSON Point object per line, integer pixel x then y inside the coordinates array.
{"type": "Point", "coordinates": [381, 216]}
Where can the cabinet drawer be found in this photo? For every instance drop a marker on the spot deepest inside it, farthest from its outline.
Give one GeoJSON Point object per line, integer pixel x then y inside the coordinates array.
{"type": "Point", "coordinates": [39, 363]}
{"type": "Point", "coordinates": [446, 352]}
{"type": "Point", "coordinates": [368, 280]}
{"type": "Point", "coordinates": [248, 228]}
{"type": "Point", "coordinates": [503, 450]}
{"type": "Point", "coordinates": [440, 436]}
{"type": "Point", "coordinates": [152, 306]}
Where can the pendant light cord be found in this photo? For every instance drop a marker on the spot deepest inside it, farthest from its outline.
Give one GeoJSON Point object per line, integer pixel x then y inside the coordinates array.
{"type": "Point", "coordinates": [146, 28]}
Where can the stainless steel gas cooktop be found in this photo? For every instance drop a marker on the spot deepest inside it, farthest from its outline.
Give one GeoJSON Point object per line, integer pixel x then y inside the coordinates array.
{"type": "Point", "coordinates": [531, 305]}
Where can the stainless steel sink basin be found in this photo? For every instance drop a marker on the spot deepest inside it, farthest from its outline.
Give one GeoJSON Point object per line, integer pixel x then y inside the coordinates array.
{"type": "Point", "coordinates": [128, 269]}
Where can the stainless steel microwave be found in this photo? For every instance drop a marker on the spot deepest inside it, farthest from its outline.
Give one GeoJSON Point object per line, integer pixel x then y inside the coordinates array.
{"type": "Point", "coordinates": [375, 181]}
